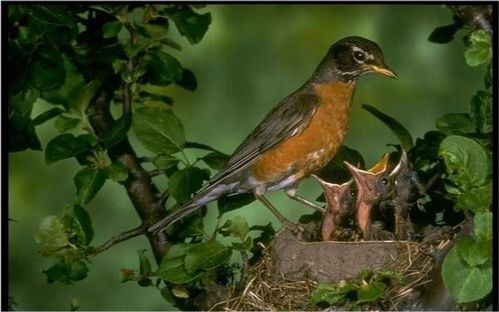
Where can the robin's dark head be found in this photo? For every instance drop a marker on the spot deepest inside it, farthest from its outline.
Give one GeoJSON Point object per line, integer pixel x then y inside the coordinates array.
{"type": "Point", "coordinates": [350, 58]}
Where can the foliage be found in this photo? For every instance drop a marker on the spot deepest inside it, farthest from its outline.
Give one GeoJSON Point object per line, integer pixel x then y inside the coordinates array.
{"type": "Point", "coordinates": [461, 151]}
{"type": "Point", "coordinates": [352, 294]}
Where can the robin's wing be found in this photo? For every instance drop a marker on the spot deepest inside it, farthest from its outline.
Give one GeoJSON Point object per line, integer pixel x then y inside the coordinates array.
{"type": "Point", "coordinates": [287, 119]}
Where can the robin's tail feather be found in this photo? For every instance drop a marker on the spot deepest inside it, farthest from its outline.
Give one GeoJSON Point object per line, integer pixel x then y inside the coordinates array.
{"type": "Point", "coordinates": [211, 193]}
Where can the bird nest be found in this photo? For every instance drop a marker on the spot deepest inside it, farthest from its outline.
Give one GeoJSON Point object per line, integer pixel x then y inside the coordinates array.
{"type": "Point", "coordinates": [286, 275]}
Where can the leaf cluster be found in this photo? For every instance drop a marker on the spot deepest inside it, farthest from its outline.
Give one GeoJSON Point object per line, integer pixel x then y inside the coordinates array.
{"type": "Point", "coordinates": [354, 294]}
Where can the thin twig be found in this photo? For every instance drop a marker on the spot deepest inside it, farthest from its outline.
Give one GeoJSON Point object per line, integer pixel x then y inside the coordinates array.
{"type": "Point", "coordinates": [119, 238]}
{"type": "Point", "coordinates": [154, 173]}
{"type": "Point", "coordinates": [164, 196]}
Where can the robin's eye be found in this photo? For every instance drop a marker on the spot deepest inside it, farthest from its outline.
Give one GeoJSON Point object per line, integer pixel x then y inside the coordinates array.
{"type": "Point", "coordinates": [359, 56]}
{"type": "Point", "coordinates": [384, 181]}
{"type": "Point", "coordinates": [353, 193]}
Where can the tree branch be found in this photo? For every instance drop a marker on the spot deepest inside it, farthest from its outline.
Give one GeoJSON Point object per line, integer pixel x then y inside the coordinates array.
{"type": "Point", "coordinates": [138, 185]}
{"type": "Point", "coordinates": [119, 238]}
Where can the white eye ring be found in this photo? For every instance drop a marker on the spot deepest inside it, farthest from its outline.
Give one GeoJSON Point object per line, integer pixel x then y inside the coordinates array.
{"type": "Point", "coordinates": [359, 56]}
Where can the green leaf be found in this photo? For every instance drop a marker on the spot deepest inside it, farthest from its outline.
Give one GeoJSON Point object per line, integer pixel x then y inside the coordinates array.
{"type": "Point", "coordinates": [244, 246]}
{"type": "Point", "coordinates": [455, 124]}
{"type": "Point", "coordinates": [164, 162]}
{"type": "Point", "coordinates": [22, 133]}
{"type": "Point", "coordinates": [117, 172]}
{"type": "Point", "coordinates": [178, 250]}
{"type": "Point", "coordinates": [237, 227]}
{"type": "Point", "coordinates": [232, 202]}
{"type": "Point", "coordinates": [173, 270]}
{"type": "Point", "coordinates": [206, 256]}
{"type": "Point", "coordinates": [483, 226]}
{"type": "Point", "coordinates": [53, 14]}
{"type": "Point", "coordinates": [111, 29]}
{"type": "Point", "coordinates": [67, 271]}
{"type": "Point", "coordinates": [188, 80]}
{"type": "Point", "coordinates": [215, 160]}
{"type": "Point", "coordinates": [481, 111]}
{"type": "Point", "coordinates": [64, 146]}
{"type": "Point", "coordinates": [189, 23]}
{"type": "Point", "coordinates": [326, 294]}
{"type": "Point", "coordinates": [465, 283]}
{"type": "Point", "coordinates": [47, 115]}
{"type": "Point", "coordinates": [183, 183]}
{"type": "Point", "coordinates": [474, 252]}
{"type": "Point", "coordinates": [88, 182]}
{"type": "Point", "coordinates": [145, 264]}
{"type": "Point", "coordinates": [476, 199]}
{"type": "Point", "coordinates": [69, 91]}
{"type": "Point", "coordinates": [47, 68]}
{"type": "Point", "coordinates": [83, 218]}
{"type": "Point", "coordinates": [86, 94]}
{"type": "Point", "coordinates": [159, 130]}
{"type": "Point", "coordinates": [479, 48]}
{"type": "Point", "coordinates": [118, 131]}
{"type": "Point", "coordinates": [163, 69]}
{"type": "Point", "coordinates": [397, 128]}
{"type": "Point", "coordinates": [51, 236]}
{"type": "Point", "coordinates": [155, 29]}
{"type": "Point", "coordinates": [466, 161]}
{"type": "Point", "coordinates": [370, 292]}
{"type": "Point", "coordinates": [65, 123]}
{"type": "Point", "coordinates": [444, 34]}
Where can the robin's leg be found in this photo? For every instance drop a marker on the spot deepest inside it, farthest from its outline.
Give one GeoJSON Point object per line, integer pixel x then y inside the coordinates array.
{"type": "Point", "coordinates": [292, 193]}
{"type": "Point", "coordinates": [272, 209]}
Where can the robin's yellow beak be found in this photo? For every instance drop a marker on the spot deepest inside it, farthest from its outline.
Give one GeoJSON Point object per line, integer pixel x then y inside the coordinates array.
{"type": "Point", "coordinates": [383, 70]}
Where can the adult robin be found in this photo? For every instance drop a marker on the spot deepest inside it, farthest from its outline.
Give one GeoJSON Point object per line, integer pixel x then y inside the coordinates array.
{"type": "Point", "coordinates": [299, 136]}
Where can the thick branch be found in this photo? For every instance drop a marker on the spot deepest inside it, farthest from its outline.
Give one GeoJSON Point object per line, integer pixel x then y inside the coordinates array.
{"type": "Point", "coordinates": [140, 189]}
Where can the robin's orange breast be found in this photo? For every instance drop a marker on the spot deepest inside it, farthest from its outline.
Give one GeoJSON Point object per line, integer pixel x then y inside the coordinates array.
{"type": "Point", "coordinates": [311, 149]}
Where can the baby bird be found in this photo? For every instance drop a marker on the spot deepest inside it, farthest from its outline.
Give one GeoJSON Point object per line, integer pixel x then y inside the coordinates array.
{"type": "Point", "coordinates": [339, 218]}
{"type": "Point", "coordinates": [373, 187]}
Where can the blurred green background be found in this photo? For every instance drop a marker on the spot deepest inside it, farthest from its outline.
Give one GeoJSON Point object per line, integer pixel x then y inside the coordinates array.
{"type": "Point", "coordinates": [251, 57]}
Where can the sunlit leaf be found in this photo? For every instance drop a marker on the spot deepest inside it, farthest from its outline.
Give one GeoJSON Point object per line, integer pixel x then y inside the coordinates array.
{"type": "Point", "coordinates": [464, 282]}
{"type": "Point", "coordinates": [479, 48]}
{"type": "Point", "coordinates": [237, 227]}
{"type": "Point", "coordinates": [51, 236]}
{"type": "Point", "coordinates": [466, 161]}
